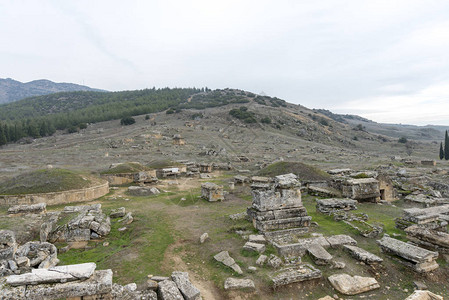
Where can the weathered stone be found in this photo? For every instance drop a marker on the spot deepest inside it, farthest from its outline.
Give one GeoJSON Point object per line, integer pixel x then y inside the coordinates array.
{"type": "Point", "coordinates": [168, 291]}
{"type": "Point", "coordinates": [212, 192]}
{"type": "Point", "coordinates": [8, 245]}
{"type": "Point", "coordinates": [419, 285]}
{"type": "Point", "coordinates": [420, 259]}
{"type": "Point", "coordinates": [349, 285]}
{"type": "Point", "coordinates": [127, 219]}
{"type": "Point", "coordinates": [294, 274]}
{"type": "Point", "coordinates": [118, 213]}
{"type": "Point", "coordinates": [238, 216]}
{"type": "Point", "coordinates": [328, 206]}
{"type": "Point", "coordinates": [274, 261]}
{"type": "Point", "coordinates": [187, 289]}
{"type": "Point", "coordinates": [319, 255]}
{"type": "Point", "coordinates": [152, 284]}
{"type": "Point", "coordinates": [362, 255]}
{"type": "Point", "coordinates": [338, 265]}
{"type": "Point", "coordinates": [261, 260]}
{"type": "Point", "coordinates": [429, 238]}
{"type": "Point", "coordinates": [23, 262]}
{"type": "Point", "coordinates": [228, 261]}
{"type": "Point", "coordinates": [28, 209]}
{"type": "Point", "coordinates": [366, 189]}
{"type": "Point", "coordinates": [423, 295]}
{"type": "Point", "coordinates": [337, 241]}
{"type": "Point", "coordinates": [257, 238]}
{"type": "Point", "coordinates": [143, 191]}
{"type": "Point", "coordinates": [239, 284]}
{"type": "Point", "coordinates": [41, 255]}
{"type": "Point", "coordinates": [53, 275]}
{"type": "Point", "coordinates": [204, 237]}
{"type": "Point", "coordinates": [260, 248]}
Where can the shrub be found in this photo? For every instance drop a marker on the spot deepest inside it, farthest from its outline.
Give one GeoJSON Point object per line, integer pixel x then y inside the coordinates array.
{"type": "Point", "coordinates": [127, 121]}
{"type": "Point", "coordinates": [265, 120]}
{"type": "Point", "coordinates": [147, 117]}
{"type": "Point", "coordinates": [403, 140]}
{"type": "Point", "coordinates": [82, 125]}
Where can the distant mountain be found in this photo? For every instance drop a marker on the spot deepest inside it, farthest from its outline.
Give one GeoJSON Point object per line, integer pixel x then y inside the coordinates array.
{"type": "Point", "coordinates": [12, 90]}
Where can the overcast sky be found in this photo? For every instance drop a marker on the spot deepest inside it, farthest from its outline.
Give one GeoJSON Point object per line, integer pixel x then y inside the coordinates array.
{"type": "Point", "coordinates": [384, 60]}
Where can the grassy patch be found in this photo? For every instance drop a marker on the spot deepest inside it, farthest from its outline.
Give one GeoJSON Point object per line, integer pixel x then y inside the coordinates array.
{"type": "Point", "coordinates": [44, 181]}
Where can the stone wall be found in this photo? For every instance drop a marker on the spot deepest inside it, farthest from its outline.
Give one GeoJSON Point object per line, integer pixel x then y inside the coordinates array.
{"type": "Point", "coordinates": [119, 179]}
{"type": "Point", "coordinates": [69, 196]}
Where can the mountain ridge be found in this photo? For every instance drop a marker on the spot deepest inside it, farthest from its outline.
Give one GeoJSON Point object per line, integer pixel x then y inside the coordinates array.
{"type": "Point", "coordinates": [12, 90]}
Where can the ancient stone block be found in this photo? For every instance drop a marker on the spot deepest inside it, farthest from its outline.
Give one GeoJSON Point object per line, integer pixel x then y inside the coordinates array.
{"type": "Point", "coordinates": [239, 284]}
{"type": "Point", "coordinates": [295, 274]}
{"type": "Point", "coordinates": [227, 260]}
{"type": "Point", "coordinates": [167, 290]}
{"type": "Point", "coordinates": [187, 289]}
{"type": "Point", "coordinates": [349, 285]}
{"type": "Point", "coordinates": [28, 209]}
{"type": "Point", "coordinates": [212, 192]}
{"type": "Point", "coordinates": [254, 247]}
{"type": "Point", "coordinates": [362, 255]}
{"type": "Point", "coordinates": [319, 255]}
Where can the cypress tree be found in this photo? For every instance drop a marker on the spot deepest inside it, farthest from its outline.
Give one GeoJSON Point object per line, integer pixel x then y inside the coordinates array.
{"type": "Point", "coordinates": [446, 146]}
{"type": "Point", "coordinates": [441, 151]}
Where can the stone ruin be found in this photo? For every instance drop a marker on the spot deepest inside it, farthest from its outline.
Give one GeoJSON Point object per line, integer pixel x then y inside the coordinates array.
{"type": "Point", "coordinates": [38, 208]}
{"type": "Point", "coordinates": [205, 168]}
{"type": "Point", "coordinates": [329, 206]}
{"type": "Point", "coordinates": [435, 218]}
{"type": "Point", "coordinates": [212, 192]}
{"type": "Point", "coordinates": [363, 189]}
{"type": "Point", "coordinates": [15, 259]}
{"type": "Point", "coordinates": [420, 259]}
{"type": "Point", "coordinates": [429, 238]}
{"type": "Point", "coordinates": [76, 223]}
{"type": "Point", "coordinates": [277, 206]}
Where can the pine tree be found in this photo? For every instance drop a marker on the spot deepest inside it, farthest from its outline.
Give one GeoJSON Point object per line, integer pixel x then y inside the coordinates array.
{"type": "Point", "coordinates": [446, 146]}
{"type": "Point", "coordinates": [2, 137]}
{"type": "Point", "coordinates": [441, 151]}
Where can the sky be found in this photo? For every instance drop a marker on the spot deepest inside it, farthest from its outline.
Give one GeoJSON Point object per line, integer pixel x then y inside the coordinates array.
{"type": "Point", "coordinates": [387, 60]}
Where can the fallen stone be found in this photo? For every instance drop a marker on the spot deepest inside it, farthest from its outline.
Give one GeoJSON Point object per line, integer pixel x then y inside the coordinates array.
{"type": "Point", "coordinates": [204, 237]}
{"type": "Point", "coordinates": [238, 216]}
{"type": "Point", "coordinates": [127, 219]}
{"type": "Point", "coordinates": [8, 245]}
{"type": "Point", "coordinates": [419, 285]}
{"type": "Point", "coordinates": [122, 228]}
{"type": "Point", "coordinates": [152, 285]}
{"type": "Point", "coordinates": [257, 238]}
{"type": "Point", "coordinates": [253, 247]}
{"type": "Point", "coordinates": [338, 265]}
{"type": "Point", "coordinates": [168, 291]}
{"type": "Point", "coordinates": [239, 284]}
{"type": "Point", "coordinates": [228, 261]}
{"type": "Point", "coordinates": [362, 255]}
{"type": "Point", "coordinates": [295, 274]}
{"type": "Point", "coordinates": [53, 275]}
{"type": "Point", "coordinates": [337, 241]}
{"type": "Point", "coordinates": [349, 285]}
{"type": "Point", "coordinates": [274, 261]}
{"type": "Point", "coordinates": [187, 289]}
{"type": "Point", "coordinates": [23, 262]}
{"type": "Point", "coordinates": [319, 255]}
{"type": "Point", "coordinates": [423, 295]}
{"type": "Point", "coordinates": [143, 191]}
{"type": "Point", "coordinates": [41, 255]}
{"type": "Point", "coordinates": [28, 209]}
{"type": "Point", "coordinates": [252, 268]}
{"type": "Point", "coordinates": [261, 260]}
{"type": "Point", "coordinates": [118, 213]}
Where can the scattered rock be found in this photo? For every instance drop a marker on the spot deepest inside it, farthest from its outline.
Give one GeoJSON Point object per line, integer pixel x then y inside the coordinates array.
{"type": "Point", "coordinates": [204, 237]}
{"type": "Point", "coordinates": [319, 255]}
{"type": "Point", "coordinates": [168, 291]}
{"type": "Point", "coordinates": [225, 259]}
{"type": "Point", "coordinates": [423, 295]}
{"type": "Point", "coordinates": [294, 274]}
{"type": "Point", "coordinates": [127, 219]}
{"type": "Point", "coordinates": [257, 238]}
{"type": "Point", "coordinates": [143, 191]}
{"type": "Point", "coordinates": [349, 285]}
{"type": "Point", "coordinates": [239, 284]}
{"type": "Point", "coordinates": [118, 213]}
{"type": "Point", "coordinates": [261, 260]}
{"type": "Point", "coordinates": [362, 255]}
{"type": "Point", "coordinates": [260, 248]}
{"type": "Point", "coordinates": [274, 261]}
{"type": "Point", "coordinates": [187, 289]}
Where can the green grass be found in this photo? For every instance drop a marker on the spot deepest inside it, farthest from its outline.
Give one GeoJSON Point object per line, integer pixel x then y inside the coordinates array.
{"type": "Point", "coordinates": [303, 171]}
{"type": "Point", "coordinates": [44, 181]}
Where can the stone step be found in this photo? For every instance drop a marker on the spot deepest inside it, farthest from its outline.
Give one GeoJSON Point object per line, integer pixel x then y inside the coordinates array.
{"type": "Point", "coordinates": [283, 223]}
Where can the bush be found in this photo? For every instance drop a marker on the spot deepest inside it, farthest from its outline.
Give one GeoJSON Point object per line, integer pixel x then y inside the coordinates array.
{"type": "Point", "coordinates": [243, 114]}
{"type": "Point", "coordinates": [147, 117]}
{"type": "Point", "coordinates": [265, 120]}
{"type": "Point", "coordinates": [403, 140]}
{"type": "Point", "coordinates": [127, 121]}
{"type": "Point", "coordinates": [170, 111]}
{"type": "Point", "coordinates": [82, 125]}
{"type": "Point", "coordinates": [72, 129]}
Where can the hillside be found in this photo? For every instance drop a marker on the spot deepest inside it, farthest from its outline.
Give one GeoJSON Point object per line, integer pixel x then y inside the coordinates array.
{"type": "Point", "coordinates": [12, 90]}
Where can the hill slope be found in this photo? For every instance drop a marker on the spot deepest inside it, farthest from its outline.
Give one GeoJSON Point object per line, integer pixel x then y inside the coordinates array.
{"type": "Point", "coordinates": [12, 90]}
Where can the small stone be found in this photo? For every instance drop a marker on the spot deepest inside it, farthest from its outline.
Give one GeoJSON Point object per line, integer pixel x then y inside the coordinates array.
{"type": "Point", "coordinates": [152, 285]}
{"type": "Point", "coordinates": [204, 237]}
{"type": "Point", "coordinates": [261, 260]}
{"type": "Point", "coordinates": [419, 285]}
{"type": "Point", "coordinates": [122, 229]}
{"type": "Point", "coordinates": [252, 269]}
{"type": "Point", "coordinates": [105, 244]}
{"type": "Point", "coordinates": [260, 248]}
{"type": "Point", "coordinates": [257, 238]}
